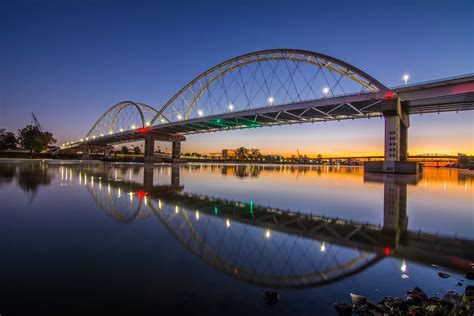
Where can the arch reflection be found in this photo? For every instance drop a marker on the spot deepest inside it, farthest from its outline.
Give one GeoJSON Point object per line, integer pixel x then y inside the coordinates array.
{"type": "Point", "coordinates": [272, 247]}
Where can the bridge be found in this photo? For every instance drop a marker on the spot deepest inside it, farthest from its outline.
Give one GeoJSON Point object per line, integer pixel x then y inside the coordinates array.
{"type": "Point", "coordinates": [279, 87]}
{"type": "Point", "coordinates": [217, 230]}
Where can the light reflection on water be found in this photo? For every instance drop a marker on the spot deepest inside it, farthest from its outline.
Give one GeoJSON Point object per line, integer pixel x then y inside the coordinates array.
{"type": "Point", "coordinates": [274, 226]}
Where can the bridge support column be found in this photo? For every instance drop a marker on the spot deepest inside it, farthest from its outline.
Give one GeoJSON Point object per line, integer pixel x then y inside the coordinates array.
{"type": "Point", "coordinates": [107, 151]}
{"type": "Point", "coordinates": [149, 156]}
{"type": "Point", "coordinates": [397, 123]}
{"type": "Point", "coordinates": [86, 152]}
{"type": "Point", "coordinates": [176, 152]}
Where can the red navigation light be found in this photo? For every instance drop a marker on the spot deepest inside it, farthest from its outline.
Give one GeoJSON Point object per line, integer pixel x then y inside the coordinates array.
{"type": "Point", "coordinates": [143, 129]}
{"type": "Point", "coordinates": [389, 95]}
{"type": "Point", "coordinates": [141, 194]}
{"type": "Point", "coordinates": [387, 251]}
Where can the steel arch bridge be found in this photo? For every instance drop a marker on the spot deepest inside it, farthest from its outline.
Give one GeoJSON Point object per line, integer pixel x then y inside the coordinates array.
{"type": "Point", "coordinates": [279, 87]}
{"type": "Point", "coordinates": [258, 80]}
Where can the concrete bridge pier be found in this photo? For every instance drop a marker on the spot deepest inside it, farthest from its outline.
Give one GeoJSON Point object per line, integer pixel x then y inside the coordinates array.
{"type": "Point", "coordinates": [176, 153]}
{"type": "Point", "coordinates": [149, 148]}
{"type": "Point", "coordinates": [397, 122]}
{"type": "Point", "coordinates": [86, 152]}
{"type": "Point", "coordinates": [107, 150]}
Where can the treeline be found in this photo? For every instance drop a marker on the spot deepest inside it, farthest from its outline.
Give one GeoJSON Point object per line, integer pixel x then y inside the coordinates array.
{"type": "Point", "coordinates": [30, 138]}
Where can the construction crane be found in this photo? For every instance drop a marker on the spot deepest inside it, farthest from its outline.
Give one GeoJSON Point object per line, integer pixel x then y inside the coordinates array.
{"type": "Point", "coordinates": [298, 152]}
{"type": "Point", "coordinates": [34, 121]}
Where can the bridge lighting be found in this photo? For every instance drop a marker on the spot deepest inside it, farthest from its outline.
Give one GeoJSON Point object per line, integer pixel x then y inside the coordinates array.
{"type": "Point", "coordinates": [231, 107]}
{"type": "Point", "coordinates": [268, 233]}
{"type": "Point", "coordinates": [121, 129]}
{"type": "Point", "coordinates": [322, 247]}
{"type": "Point", "coordinates": [162, 120]}
{"type": "Point", "coordinates": [180, 116]}
{"type": "Point", "coordinates": [101, 135]}
{"type": "Point", "coordinates": [93, 137]}
{"type": "Point", "coordinates": [227, 223]}
{"type": "Point", "coordinates": [405, 78]}
{"type": "Point", "coordinates": [81, 139]}
{"type": "Point", "coordinates": [197, 215]}
{"type": "Point", "coordinates": [133, 126]}
{"type": "Point", "coordinates": [389, 95]}
{"type": "Point", "coordinates": [111, 132]}
{"type": "Point", "coordinates": [176, 209]}
{"type": "Point", "coordinates": [143, 130]}
{"type": "Point", "coordinates": [270, 100]}
{"type": "Point", "coordinates": [326, 91]}
{"type": "Point", "coordinates": [200, 113]}
{"type": "Point", "coordinates": [148, 123]}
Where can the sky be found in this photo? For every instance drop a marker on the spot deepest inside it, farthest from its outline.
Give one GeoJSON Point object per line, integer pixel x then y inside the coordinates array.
{"type": "Point", "coordinates": [69, 61]}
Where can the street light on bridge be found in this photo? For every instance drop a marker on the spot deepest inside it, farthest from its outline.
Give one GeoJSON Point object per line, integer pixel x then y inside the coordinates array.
{"type": "Point", "coordinates": [200, 113]}
{"type": "Point", "coordinates": [231, 107]}
{"type": "Point", "coordinates": [270, 100]}
{"type": "Point", "coordinates": [326, 91]}
{"type": "Point", "coordinates": [405, 78]}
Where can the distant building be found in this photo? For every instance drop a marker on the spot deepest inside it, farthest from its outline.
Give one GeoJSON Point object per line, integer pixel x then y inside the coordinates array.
{"type": "Point", "coordinates": [228, 153]}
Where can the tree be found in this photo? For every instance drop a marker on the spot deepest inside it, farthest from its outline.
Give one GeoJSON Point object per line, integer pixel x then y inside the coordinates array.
{"type": "Point", "coordinates": [137, 150]}
{"type": "Point", "coordinates": [254, 153]}
{"type": "Point", "coordinates": [31, 138]}
{"type": "Point", "coordinates": [124, 150]}
{"type": "Point", "coordinates": [241, 153]}
{"type": "Point", "coordinates": [8, 140]}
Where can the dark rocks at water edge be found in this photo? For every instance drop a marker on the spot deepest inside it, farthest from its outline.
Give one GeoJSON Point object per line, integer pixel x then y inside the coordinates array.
{"type": "Point", "coordinates": [416, 302]}
{"type": "Point", "coordinates": [444, 275]}
{"type": "Point", "coordinates": [470, 275]}
{"type": "Point", "coordinates": [271, 297]}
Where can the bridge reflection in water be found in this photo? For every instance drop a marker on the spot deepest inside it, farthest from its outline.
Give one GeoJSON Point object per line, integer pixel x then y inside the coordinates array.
{"type": "Point", "coordinates": [270, 246]}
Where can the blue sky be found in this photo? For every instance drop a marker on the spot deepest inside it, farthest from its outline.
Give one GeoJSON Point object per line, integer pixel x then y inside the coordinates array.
{"type": "Point", "coordinates": [69, 61]}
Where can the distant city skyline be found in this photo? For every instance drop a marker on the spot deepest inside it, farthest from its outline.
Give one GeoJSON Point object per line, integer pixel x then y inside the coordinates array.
{"type": "Point", "coordinates": [70, 61]}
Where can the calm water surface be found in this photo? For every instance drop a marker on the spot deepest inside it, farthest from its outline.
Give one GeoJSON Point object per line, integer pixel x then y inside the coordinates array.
{"type": "Point", "coordinates": [100, 238]}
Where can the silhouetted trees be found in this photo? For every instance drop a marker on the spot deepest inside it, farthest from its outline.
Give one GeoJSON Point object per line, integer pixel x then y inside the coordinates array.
{"type": "Point", "coordinates": [34, 140]}
{"type": "Point", "coordinates": [124, 150]}
{"type": "Point", "coordinates": [245, 153]}
{"type": "Point", "coordinates": [8, 140]}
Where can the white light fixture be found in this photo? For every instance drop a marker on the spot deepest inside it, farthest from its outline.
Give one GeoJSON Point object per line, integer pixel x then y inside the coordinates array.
{"type": "Point", "coordinates": [231, 107]}
{"type": "Point", "coordinates": [148, 123]}
{"type": "Point", "coordinates": [180, 117]}
{"type": "Point", "coordinates": [405, 78]}
{"type": "Point", "coordinates": [87, 138]}
{"type": "Point", "coordinates": [121, 129]}
{"type": "Point", "coordinates": [270, 100]}
{"type": "Point", "coordinates": [133, 126]}
{"type": "Point", "coordinates": [93, 137]}
{"type": "Point", "coordinates": [227, 223]}
{"type": "Point", "coordinates": [82, 140]}
{"type": "Point", "coordinates": [326, 91]}
{"type": "Point", "coordinates": [322, 247]}
{"type": "Point", "coordinates": [200, 113]}
{"type": "Point", "coordinates": [101, 135]}
{"type": "Point", "coordinates": [110, 132]}
{"type": "Point", "coordinates": [162, 120]}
